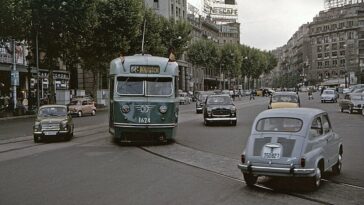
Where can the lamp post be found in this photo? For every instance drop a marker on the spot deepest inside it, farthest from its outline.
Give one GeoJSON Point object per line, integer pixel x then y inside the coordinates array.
{"type": "Point", "coordinates": [30, 101]}
{"type": "Point", "coordinates": [220, 73]}
{"type": "Point", "coordinates": [15, 75]}
{"type": "Point", "coordinates": [37, 64]}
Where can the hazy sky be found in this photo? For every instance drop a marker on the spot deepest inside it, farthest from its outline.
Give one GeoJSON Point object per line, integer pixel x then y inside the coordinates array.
{"type": "Point", "coordinates": [267, 24]}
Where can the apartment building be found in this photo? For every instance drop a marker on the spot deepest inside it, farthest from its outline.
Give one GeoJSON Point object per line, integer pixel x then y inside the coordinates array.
{"type": "Point", "coordinates": [337, 40]}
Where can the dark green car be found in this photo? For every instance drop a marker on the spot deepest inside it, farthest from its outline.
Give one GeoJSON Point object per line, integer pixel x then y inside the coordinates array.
{"type": "Point", "coordinates": [53, 121]}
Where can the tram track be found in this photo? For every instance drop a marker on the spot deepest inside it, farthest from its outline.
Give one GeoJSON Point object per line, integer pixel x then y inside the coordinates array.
{"type": "Point", "coordinates": [308, 196]}
{"type": "Point", "coordinates": [98, 130]}
{"type": "Point", "coordinates": [30, 138]}
{"type": "Point", "coordinates": [230, 177]}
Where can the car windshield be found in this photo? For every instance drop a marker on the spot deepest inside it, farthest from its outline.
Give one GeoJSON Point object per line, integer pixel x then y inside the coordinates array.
{"type": "Point", "coordinates": [130, 86]}
{"type": "Point", "coordinates": [285, 98]}
{"type": "Point", "coordinates": [215, 100]}
{"type": "Point", "coordinates": [74, 102]}
{"type": "Point", "coordinates": [202, 98]}
{"type": "Point", "coordinates": [328, 92]}
{"type": "Point", "coordinates": [357, 97]}
{"type": "Point", "coordinates": [159, 86]}
{"type": "Point", "coordinates": [52, 111]}
{"type": "Point", "coordinates": [279, 124]}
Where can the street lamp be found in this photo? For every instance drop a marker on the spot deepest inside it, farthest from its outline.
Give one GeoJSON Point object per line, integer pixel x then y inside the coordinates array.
{"type": "Point", "coordinates": [220, 84]}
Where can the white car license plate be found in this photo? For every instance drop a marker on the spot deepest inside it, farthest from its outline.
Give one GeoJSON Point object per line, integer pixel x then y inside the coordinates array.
{"type": "Point", "coordinates": [272, 153]}
{"type": "Point", "coordinates": [51, 133]}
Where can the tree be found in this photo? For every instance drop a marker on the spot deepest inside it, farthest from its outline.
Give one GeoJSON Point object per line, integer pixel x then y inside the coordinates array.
{"type": "Point", "coordinates": [14, 19]}
{"type": "Point", "coordinates": [230, 58]}
{"type": "Point", "coordinates": [203, 53]}
{"type": "Point", "coordinates": [176, 34]}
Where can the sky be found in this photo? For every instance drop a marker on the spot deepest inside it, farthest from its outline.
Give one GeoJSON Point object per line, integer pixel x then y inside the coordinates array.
{"type": "Point", "coordinates": [268, 24]}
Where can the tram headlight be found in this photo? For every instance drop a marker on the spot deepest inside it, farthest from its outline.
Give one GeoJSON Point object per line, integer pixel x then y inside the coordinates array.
{"type": "Point", "coordinates": [163, 109]}
{"type": "Point", "coordinates": [125, 109]}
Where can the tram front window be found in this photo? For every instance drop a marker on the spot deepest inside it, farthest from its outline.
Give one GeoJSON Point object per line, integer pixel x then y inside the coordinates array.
{"type": "Point", "coordinates": [159, 86]}
{"type": "Point", "coordinates": [130, 86]}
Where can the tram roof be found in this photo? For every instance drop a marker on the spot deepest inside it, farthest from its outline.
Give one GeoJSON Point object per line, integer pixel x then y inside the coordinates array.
{"type": "Point", "coordinates": [122, 65]}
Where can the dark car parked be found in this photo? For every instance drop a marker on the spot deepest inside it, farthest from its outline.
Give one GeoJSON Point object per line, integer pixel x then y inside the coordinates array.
{"type": "Point", "coordinates": [219, 108]}
{"type": "Point", "coordinates": [200, 101]}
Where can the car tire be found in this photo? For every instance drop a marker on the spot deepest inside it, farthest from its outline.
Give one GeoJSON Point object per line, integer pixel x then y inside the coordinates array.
{"type": "Point", "coordinates": [341, 109]}
{"type": "Point", "coordinates": [336, 169]}
{"type": "Point", "coordinates": [315, 181]}
{"type": "Point", "coordinates": [233, 123]}
{"type": "Point", "coordinates": [79, 113]}
{"type": "Point", "coordinates": [36, 139]}
{"type": "Point", "coordinates": [351, 111]}
{"type": "Point", "coordinates": [93, 113]}
{"type": "Point", "coordinates": [206, 123]}
{"type": "Point", "coordinates": [322, 101]}
{"type": "Point", "coordinates": [67, 137]}
{"type": "Point", "coordinates": [250, 179]}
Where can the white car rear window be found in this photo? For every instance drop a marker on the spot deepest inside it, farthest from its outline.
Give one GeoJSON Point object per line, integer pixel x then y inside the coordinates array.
{"type": "Point", "coordinates": [279, 124]}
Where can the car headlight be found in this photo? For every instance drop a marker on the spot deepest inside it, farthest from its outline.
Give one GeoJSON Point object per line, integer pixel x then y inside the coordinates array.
{"type": "Point", "coordinates": [233, 109]}
{"type": "Point", "coordinates": [37, 126]}
{"type": "Point", "coordinates": [64, 125]}
{"type": "Point", "coordinates": [125, 108]}
{"type": "Point", "coordinates": [163, 109]}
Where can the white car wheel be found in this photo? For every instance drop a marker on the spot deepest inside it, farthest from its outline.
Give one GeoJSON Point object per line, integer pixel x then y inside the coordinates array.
{"type": "Point", "coordinates": [336, 169]}
{"type": "Point", "coordinates": [315, 181]}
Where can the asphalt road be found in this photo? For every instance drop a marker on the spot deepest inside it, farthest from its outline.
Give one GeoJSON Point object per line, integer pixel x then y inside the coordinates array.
{"type": "Point", "coordinates": [22, 127]}
{"type": "Point", "coordinates": [199, 168]}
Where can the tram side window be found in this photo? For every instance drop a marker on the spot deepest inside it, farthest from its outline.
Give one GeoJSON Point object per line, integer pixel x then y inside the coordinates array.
{"type": "Point", "coordinates": [159, 86]}
{"type": "Point", "coordinates": [130, 86]}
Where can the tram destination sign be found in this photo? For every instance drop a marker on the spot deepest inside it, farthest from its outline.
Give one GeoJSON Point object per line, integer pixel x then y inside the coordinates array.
{"type": "Point", "coordinates": [145, 69]}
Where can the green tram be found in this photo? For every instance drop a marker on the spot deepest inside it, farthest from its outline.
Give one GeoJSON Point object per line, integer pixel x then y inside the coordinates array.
{"type": "Point", "coordinates": [143, 99]}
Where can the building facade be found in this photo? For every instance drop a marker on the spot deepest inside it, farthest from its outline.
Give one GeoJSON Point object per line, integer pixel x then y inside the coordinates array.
{"type": "Point", "coordinates": [175, 9]}
{"type": "Point", "coordinates": [337, 40]}
{"type": "Point", "coordinates": [217, 23]}
{"type": "Point", "coordinates": [329, 50]}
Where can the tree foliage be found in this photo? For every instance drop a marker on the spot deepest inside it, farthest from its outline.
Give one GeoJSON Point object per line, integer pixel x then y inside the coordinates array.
{"type": "Point", "coordinates": [237, 60]}
{"type": "Point", "coordinates": [203, 53]}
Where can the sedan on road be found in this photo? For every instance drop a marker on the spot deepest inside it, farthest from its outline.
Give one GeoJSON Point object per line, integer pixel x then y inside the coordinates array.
{"type": "Point", "coordinates": [329, 96]}
{"type": "Point", "coordinates": [200, 102]}
{"type": "Point", "coordinates": [352, 102]}
{"type": "Point", "coordinates": [294, 142]}
{"type": "Point", "coordinates": [81, 107]}
{"type": "Point", "coordinates": [53, 121]}
{"type": "Point", "coordinates": [284, 100]}
{"type": "Point", "coordinates": [219, 108]}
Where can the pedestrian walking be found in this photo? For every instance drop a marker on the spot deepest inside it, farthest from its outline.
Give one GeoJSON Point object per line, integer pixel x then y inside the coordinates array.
{"type": "Point", "coordinates": [252, 93]}
{"type": "Point", "coordinates": [310, 97]}
{"type": "Point", "coordinates": [239, 93]}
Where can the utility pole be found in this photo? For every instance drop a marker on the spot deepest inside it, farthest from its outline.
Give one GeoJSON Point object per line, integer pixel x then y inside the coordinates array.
{"type": "Point", "coordinates": [15, 76]}
{"type": "Point", "coordinates": [37, 64]}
